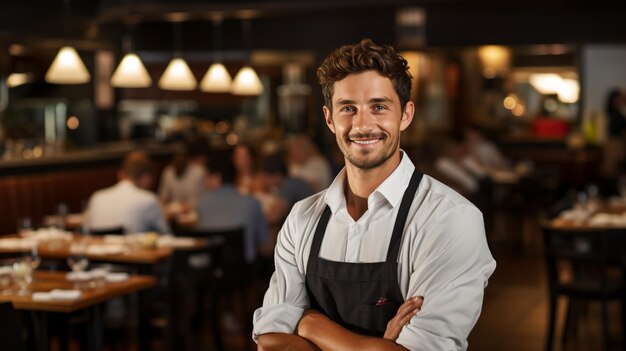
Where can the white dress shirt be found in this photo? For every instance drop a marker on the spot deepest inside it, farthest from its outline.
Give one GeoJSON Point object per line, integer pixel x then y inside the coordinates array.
{"type": "Point", "coordinates": [443, 256]}
{"type": "Point", "coordinates": [125, 205]}
{"type": "Point", "coordinates": [316, 170]}
{"type": "Point", "coordinates": [185, 188]}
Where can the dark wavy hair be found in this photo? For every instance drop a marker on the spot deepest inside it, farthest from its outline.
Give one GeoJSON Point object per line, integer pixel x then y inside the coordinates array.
{"type": "Point", "coordinates": [365, 56]}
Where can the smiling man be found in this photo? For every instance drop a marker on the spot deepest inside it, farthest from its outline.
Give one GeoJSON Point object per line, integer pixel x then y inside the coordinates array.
{"type": "Point", "coordinates": [385, 258]}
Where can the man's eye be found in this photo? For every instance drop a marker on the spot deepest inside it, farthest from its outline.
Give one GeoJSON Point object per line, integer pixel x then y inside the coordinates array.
{"type": "Point", "coordinates": [348, 109]}
{"type": "Point", "coordinates": [380, 107]}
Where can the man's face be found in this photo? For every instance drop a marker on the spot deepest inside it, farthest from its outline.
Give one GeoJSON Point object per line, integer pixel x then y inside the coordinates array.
{"type": "Point", "coordinates": [367, 119]}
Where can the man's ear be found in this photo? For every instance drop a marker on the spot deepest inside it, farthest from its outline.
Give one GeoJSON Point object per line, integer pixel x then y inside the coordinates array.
{"type": "Point", "coordinates": [407, 115]}
{"type": "Point", "coordinates": [328, 117]}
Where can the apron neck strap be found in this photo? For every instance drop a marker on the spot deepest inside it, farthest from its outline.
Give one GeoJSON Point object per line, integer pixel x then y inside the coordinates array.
{"type": "Point", "coordinates": [405, 206]}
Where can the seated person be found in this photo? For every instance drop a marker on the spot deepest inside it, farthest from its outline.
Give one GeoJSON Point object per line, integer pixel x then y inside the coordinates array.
{"type": "Point", "coordinates": [244, 158]}
{"type": "Point", "coordinates": [221, 206]}
{"type": "Point", "coordinates": [306, 162]}
{"type": "Point", "coordinates": [273, 180]}
{"type": "Point", "coordinates": [458, 169]}
{"type": "Point", "coordinates": [129, 203]}
{"type": "Point", "coordinates": [183, 179]}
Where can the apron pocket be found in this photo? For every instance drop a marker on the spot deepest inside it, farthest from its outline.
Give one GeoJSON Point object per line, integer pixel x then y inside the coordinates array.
{"type": "Point", "coordinates": [375, 317]}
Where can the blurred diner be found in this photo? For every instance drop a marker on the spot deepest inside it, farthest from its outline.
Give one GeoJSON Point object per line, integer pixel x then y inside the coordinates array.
{"type": "Point", "coordinates": [129, 204]}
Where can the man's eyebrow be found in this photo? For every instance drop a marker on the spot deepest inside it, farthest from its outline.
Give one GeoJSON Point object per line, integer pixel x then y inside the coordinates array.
{"type": "Point", "coordinates": [342, 102]}
{"type": "Point", "coordinates": [379, 100]}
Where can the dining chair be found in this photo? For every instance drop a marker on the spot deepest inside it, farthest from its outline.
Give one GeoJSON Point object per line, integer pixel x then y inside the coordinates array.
{"type": "Point", "coordinates": [230, 273]}
{"type": "Point", "coordinates": [11, 332]}
{"type": "Point", "coordinates": [107, 231]}
{"type": "Point", "coordinates": [580, 265]}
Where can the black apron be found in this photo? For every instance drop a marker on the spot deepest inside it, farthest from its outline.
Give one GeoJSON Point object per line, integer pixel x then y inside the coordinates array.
{"type": "Point", "coordinates": [362, 297]}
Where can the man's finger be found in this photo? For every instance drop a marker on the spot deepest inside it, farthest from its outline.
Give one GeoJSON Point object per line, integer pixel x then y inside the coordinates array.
{"type": "Point", "coordinates": [409, 305]}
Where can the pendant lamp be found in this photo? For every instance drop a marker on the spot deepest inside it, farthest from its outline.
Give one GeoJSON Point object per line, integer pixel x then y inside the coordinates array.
{"type": "Point", "coordinates": [131, 73]}
{"type": "Point", "coordinates": [217, 79]}
{"type": "Point", "coordinates": [67, 67]}
{"type": "Point", "coordinates": [247, 82]}
{"type": "Point", "coordinates": [177, 75]}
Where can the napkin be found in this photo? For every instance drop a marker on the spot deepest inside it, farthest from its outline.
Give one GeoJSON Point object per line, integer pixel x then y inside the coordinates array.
{"type": "Point", "coordinates": [105, 249]}
{"type": "Point", "coordinates": [78, 276]}
{"type": "Point", "coordinates": [57, 294]}
{"type": "Point", "coordinates": [116, 277]}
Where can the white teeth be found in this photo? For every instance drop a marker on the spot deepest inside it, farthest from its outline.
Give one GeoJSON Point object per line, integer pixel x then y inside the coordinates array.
{"type": "Point", "coordinates": [365, 142]}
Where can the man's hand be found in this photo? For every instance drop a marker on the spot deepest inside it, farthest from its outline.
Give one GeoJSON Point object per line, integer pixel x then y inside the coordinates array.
{"type": "Point", "coordinates": [406, 311]}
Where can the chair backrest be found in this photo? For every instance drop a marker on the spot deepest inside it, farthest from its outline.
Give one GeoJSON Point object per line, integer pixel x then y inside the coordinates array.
{"type": "Point", "coordinates": [108, 231]}
{"type": "Point", "coordinates": [230, 262]}
{"type": "Point", "coordinates": [193, 265]}
{"type": "Point", "coordinates": [577, 254]}
{"type": "Point", "coordinates": [11, 332]}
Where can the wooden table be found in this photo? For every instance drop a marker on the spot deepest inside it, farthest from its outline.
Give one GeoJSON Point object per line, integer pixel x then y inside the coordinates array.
{"type": "Point", "coordinates": [138, 256]}
{"type": "Point", "coordinates": [90, 301]}
{"type": "Point", "coordinates": [585, 224]}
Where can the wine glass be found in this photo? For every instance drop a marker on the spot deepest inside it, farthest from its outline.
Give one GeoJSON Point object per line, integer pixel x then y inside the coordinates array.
{"type": "Point", "coordinates": [6, 278]}
{"type": "Point", "coordinates": [76, 259]}
{"type": "Point", "coordinates": [33, 256]}
{"type": "Point", "coordinates": [24, 226]}
{"type": "Point", "coordinates": [23, 274]}
{"type": "Point", "coordinates": [61, 215]}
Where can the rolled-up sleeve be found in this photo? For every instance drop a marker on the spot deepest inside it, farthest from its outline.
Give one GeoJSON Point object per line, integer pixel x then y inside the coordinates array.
{"type": "Point", "coordinates": [286, 297]}
{"type": "Point", "coordinates": [450, 269]}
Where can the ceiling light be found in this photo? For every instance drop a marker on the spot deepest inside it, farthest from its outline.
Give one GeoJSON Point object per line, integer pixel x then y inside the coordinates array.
{"type": "Point", "coordinates": [247, 82]}
{"type": "Point", "coordinates": [67, 68]}
{"type": "Point", "coordinates": [131, 73]}
{"type": "Point", "coordinates": [216, 80]}
{"type": "Point", "coordinates": [178, 76]}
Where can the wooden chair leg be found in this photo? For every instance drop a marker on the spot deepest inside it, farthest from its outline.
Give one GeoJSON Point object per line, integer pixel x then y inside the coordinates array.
{"type": "Point", "coordinates": [551, 323]}
{"type": "Point", "coordinates": [605, 325]}
{"type": "Point", "coordinates": [569, 315]}
{"type": "Point", "coordinates": [623, 302]}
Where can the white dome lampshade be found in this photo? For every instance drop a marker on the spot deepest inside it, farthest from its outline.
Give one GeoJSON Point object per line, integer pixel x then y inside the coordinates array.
{"type": "Point", "coordinates": [131, 73]}
{"type": "Point", "coordinates": [216, 80]}
{"type": "Point", "coordinates": [178, 76]}
{"type": "Point", "coordinates": [247, 82]}
{"type": "Point", "coordinates": [67, 68]}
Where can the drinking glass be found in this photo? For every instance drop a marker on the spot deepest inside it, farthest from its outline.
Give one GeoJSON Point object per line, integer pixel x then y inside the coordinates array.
{"type": "Point", "coordinates": [23, 274]}
{"type": "Point", "coordinates": [24, 226]}
{"type": "Point", "coordinates": [33, 256]}
{"type": "Point", "coordinates": [76, 259]}
{"type": "Point", "coordinates": [61, 215]}
{"type": "Point", "coordinates": [6, 278]}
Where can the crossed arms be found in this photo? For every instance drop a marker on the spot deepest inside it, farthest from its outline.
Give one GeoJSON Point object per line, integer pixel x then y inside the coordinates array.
{"type": "Point", "coordinates": [315, 331]}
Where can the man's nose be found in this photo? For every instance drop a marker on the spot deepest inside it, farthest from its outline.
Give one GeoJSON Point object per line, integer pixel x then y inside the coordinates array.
{"type": "Point", "coordinates": [363, 121]}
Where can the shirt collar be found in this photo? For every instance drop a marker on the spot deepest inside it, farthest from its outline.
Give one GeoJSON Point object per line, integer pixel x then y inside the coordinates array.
{"type": "Point", "coordinates": [391, 189]}
{"type": "Point", "coordinates": [126, 183]}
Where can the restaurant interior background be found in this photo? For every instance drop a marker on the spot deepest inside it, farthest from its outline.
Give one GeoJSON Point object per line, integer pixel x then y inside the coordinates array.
{"type": "Point", "coordinates": [534, 76]}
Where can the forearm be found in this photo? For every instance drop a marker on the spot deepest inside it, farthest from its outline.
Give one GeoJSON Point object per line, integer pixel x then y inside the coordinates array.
{"type": "Point", "coordinates": [328, 335]}
{"type": "Point", "coordinates": [280, 342]}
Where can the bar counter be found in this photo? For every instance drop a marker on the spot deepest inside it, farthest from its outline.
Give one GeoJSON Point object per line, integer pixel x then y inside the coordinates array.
{"type": "Point", "coordinates": [34, 187]}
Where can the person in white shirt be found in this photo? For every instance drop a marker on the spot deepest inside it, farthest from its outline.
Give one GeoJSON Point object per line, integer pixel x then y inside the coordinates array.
{"type": "Point", "coordinates": [128, 204]}
{"type": "Point", "coordinates": [386, 258]}
{"type": "Point", "coordinates": [183, 179]}
{"type": "Point", "coordinates": [306, 162]}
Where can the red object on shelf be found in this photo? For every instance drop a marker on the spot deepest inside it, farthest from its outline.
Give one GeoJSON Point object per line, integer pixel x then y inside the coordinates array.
{"type": "Point", "coordinates": [545, 127]}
